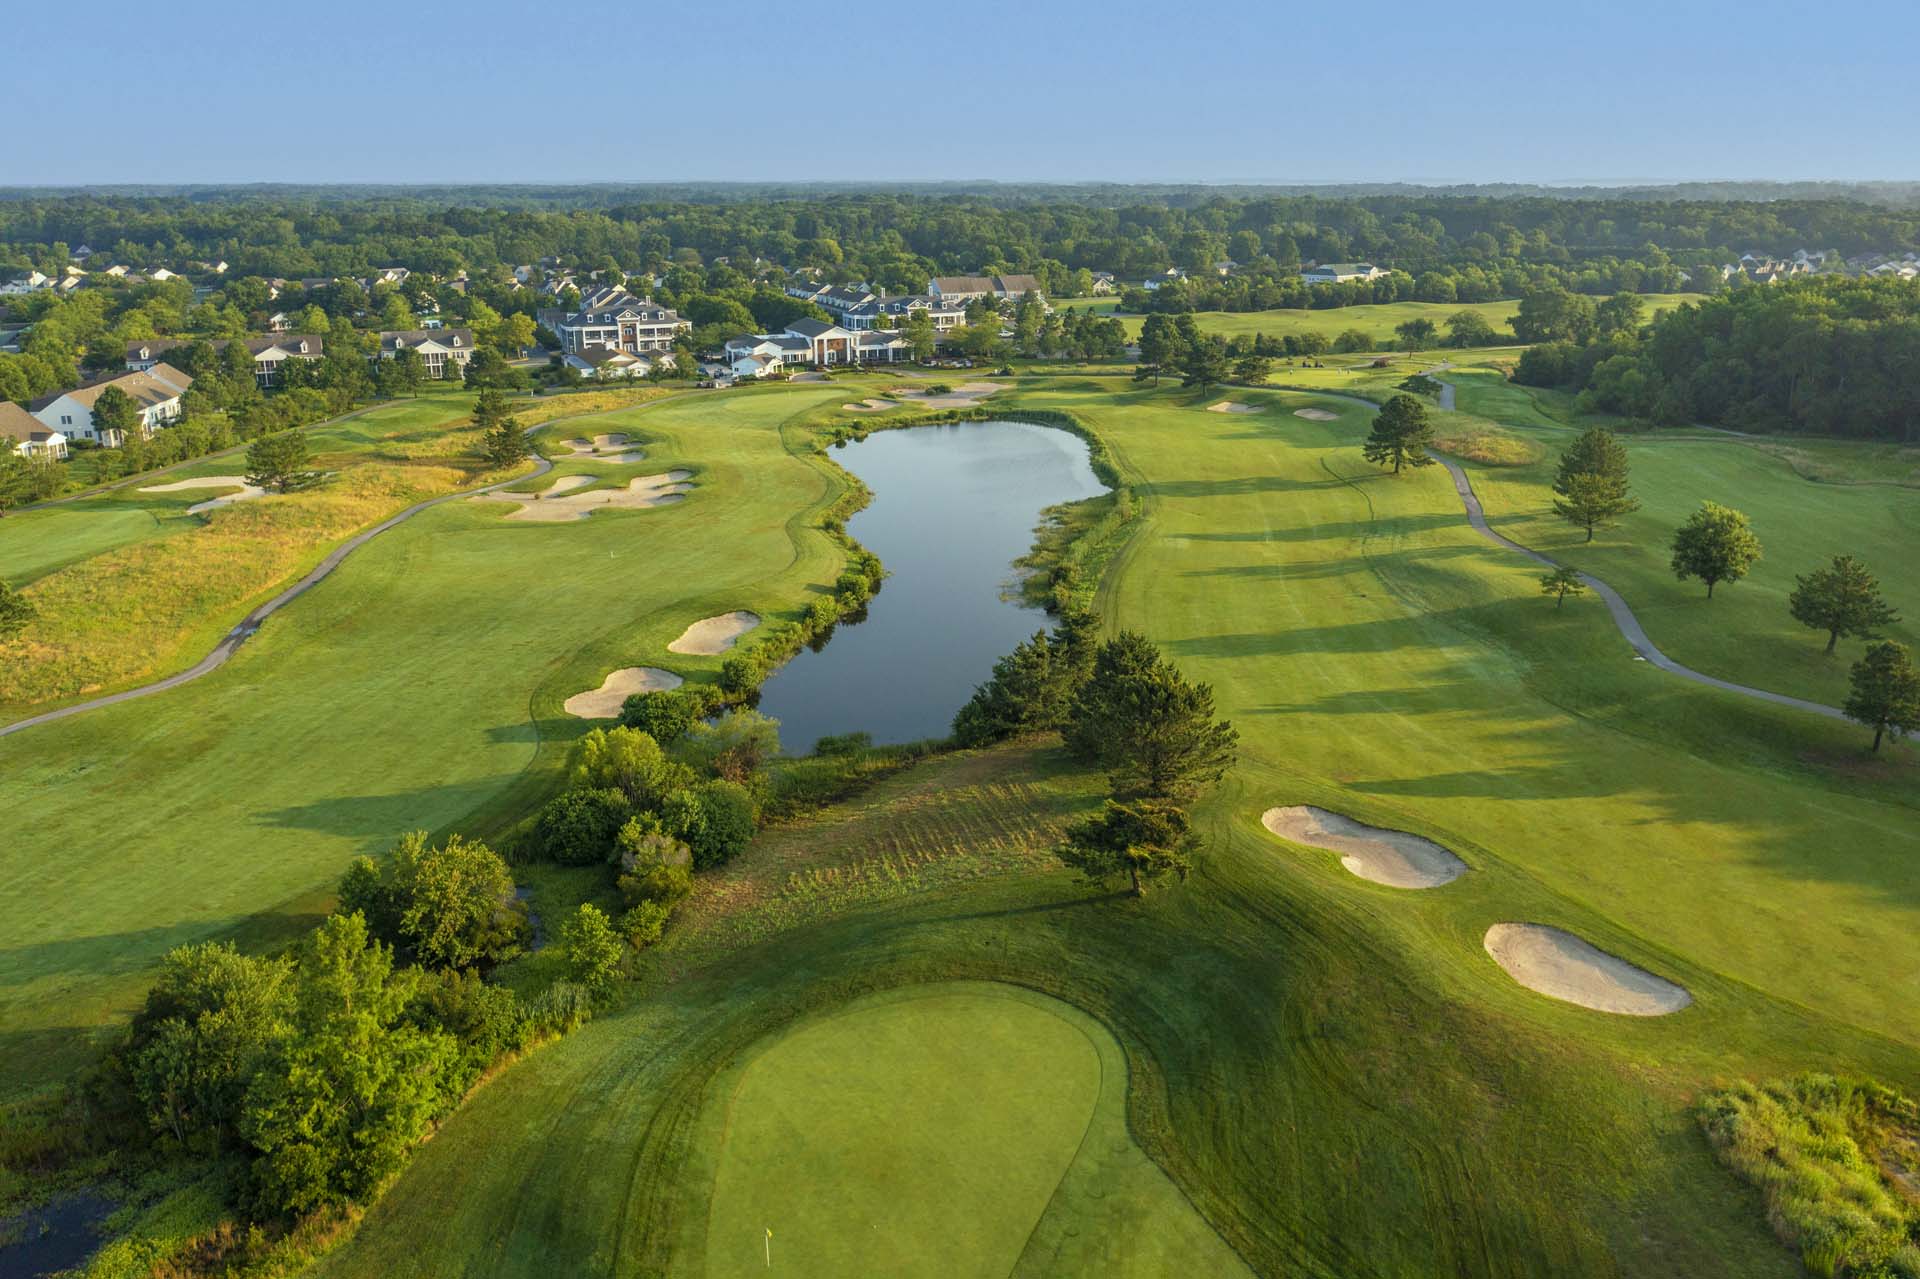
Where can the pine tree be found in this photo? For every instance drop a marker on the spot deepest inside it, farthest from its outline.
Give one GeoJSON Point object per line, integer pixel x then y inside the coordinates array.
{"type": "Point", "coordinates": [1401, 433]}
{"type": "Point", "coordinates": [1591, 487]}
{"type": "Point", "coordinates": [1842, 599]}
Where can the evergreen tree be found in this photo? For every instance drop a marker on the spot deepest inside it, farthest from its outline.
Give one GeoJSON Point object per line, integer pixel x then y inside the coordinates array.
{"type": "Point", "coordinates": [1591, 487]}
{"type": "Point", "coordinates": [1561, 583]}
{"type": "Point", "coordinates": [279, 462]}
{"type": "Point", "coordinates": [1401, 433]}
{"type": "Point", "coordinates": [1149, 726]}
{"type": "Point", "coordinates": [1144, 840]}
{"type": "Point", "coordinates": [1842, 599]}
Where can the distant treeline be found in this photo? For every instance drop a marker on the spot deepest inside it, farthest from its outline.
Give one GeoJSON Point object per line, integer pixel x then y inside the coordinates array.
{"type": "Point", "coordinates": [896, 240]}
{"type": "Point", "coordinates": [1828, 356]}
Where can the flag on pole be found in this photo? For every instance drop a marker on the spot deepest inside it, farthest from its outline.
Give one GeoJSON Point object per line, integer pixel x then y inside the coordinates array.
{"type": "Point", "coordinates": [769, 1247]}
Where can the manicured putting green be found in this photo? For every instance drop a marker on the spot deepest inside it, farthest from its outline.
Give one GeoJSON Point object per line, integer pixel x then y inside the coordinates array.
{"type": "Point", "coordinates": [955, 1129]}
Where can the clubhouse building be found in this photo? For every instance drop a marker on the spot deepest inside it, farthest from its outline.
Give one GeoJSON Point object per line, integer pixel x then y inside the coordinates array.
{"type": "Point", "coordinates": [806, 343]}
{"type": "Point", "coordinates": [617, 320]}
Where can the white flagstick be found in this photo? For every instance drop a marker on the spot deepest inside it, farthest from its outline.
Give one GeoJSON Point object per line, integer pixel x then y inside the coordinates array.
{"type": "Point", "coordinates": [769, 1247]}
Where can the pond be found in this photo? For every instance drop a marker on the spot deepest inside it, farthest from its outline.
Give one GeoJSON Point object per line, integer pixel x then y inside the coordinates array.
{"type": "Point", "coordinates": [953, 507]}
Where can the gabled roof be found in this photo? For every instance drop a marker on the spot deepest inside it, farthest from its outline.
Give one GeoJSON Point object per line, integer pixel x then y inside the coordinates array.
{"type": "Point", "coordinates": [286, 343]}
{"type": "Point", "coordinates": [963, 283]}
{"type": "Point", "coordinates": [18, 424]}
{"type": "Point", "coordinates": [157, 385]}
{"type": "Point", "coordinates": [454, 339]}
{"type": "Point", "coordinates": [809, 328]}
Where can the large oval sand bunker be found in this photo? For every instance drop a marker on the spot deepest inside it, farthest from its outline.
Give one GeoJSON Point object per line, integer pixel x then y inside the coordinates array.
{"type": "Point", "coordinates": [711, 635]}
{"type": "Point", "coordinates": [246, 492]}
{"type": "Point", "coordinates": [1316, 415]}
{"type": "Point", "coordinates": [1558, 964]}
{"type": "Point", "coordinates": [605, 702]}
{"type": "Point", "coordinates": [563, 501]}
{"type": "Point", "coordinates": [1391, 857]}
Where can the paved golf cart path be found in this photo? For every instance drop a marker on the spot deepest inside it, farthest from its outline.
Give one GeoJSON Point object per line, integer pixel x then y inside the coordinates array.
{"type": "Point", "coordinates": [1636, 635]}
{"type": "Point", "coordinates": [251, 622]}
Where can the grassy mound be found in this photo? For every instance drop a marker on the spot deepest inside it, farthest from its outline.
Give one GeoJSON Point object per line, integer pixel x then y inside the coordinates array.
{"type": "Point", "coordinates": [1838, 1161]}
{"type": "Point", "coordinates": [1490, 446]}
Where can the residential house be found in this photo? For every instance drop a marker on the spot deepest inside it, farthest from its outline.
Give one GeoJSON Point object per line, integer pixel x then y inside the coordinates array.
{"type": "Point", "coordinates": [82, 253]}
{"type": "Point", "coordinates": [1172, 275]}
{"type": "Point", "coordinates": [279, 322]}
{"type": "Point", "coordinates": [443, 352]}
{"type": "Point", "coordinates": [604, 363]}
{"type": "Point", "coordinates": [13, 341]}
{"type": "Point", "coordinates": [160, 275]}
{"type": "Point", "coordinates": [815, 342]}
{"type": "Point", "coordinates": [268, 353]}
{"type": "Point", "coordinates": [965, 288]}
{"type": "Point", "coordinates": [617, 319]}
{"type": "Point", "coordinates": [27, 435]}
{"type": "Point", "coordinates": [31, 282]}
{"type": "Point", "coordinates": [155, 392]}
{"type": "Point", "coordinates": [1341, 272]}
{"type": "Point", "coordinates": [1105, 283]}
{"type": "Point", "coordinates": [893, 313]}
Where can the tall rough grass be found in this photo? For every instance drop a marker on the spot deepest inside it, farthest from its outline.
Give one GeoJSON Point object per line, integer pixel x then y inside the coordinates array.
{"type": "Point", "coordinates": [1838, 1162]}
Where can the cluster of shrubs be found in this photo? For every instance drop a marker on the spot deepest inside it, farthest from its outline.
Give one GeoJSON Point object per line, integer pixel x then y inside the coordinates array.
{"type": "Point", "coordinates": [318, 1072]}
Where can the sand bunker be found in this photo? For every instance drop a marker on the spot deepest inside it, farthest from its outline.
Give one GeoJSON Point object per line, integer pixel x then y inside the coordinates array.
{"type": "Point", "coordinates": [1562, 966]}
{"type": "Point", "coordinates": [712, 635]}
{"type": "Point", "coordinates": [605, 702]}
{"type": "Point", "coordinates": [1316, 415]}
{"type": "Point", "coordinates": [611, 449]}
{"type": "Point", "coordinates": [963, 396]}
{"type": "Point", "coordinates": [871, 405]}
{"type": "Point", "coordinates": [1389, 857]}
{"type": "Point", "coordinates": [246, 494]}
{"type": "Point", "coordinates": [809, 377]}
{"type": "Point", "coordinates": [1231, 406]}
{"type": "Point", "coordinates": [561, 502]}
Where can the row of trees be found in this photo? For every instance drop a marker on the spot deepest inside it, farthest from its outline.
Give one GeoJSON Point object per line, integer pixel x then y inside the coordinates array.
{"type": "Point", "coordinates": [1596, 244]}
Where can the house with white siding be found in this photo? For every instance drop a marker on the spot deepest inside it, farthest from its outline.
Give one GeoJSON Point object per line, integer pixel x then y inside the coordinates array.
{"type": "Point", "coordinates": [814, 342]}
{"type": "Point", "coordinates": [268, 352]}
{"type": "Point", "coordinates": [27, 435]}
{"type": "Point", "coordinates": [155, 392]}
{"type": "Point", "coordinates": [965, 288]}
{"type": "Point", "coordinates": [443, 352]}
{"type": "Point", "coordinates": [616, 319]}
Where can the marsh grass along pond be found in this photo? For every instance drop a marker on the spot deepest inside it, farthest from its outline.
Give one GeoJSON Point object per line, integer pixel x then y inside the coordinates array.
{"type": "Point", "coordinates": [953, 507]}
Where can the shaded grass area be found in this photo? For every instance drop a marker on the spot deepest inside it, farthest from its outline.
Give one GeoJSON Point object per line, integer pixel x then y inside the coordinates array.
{"type": "Point", "coordinates": [1377, 321]}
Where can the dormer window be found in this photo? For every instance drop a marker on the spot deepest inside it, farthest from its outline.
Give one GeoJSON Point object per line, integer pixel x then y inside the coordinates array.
{"type": "Point", "coordinates": [456, 341]}
{"type": "Point", "coordinates": [303, 348]}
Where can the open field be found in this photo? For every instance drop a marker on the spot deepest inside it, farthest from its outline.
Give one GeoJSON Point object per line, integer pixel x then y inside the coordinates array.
{"type": "Point", "coordinates": [415, 688]}
{"type": "Point", "coordinates": [1334, 1073]}
{"type": "Point", "coordinates": [1377, 321]}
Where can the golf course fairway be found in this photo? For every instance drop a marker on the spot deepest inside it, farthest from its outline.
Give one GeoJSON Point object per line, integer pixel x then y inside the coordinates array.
{"type": "Point", "coordinates": [975, 1105]}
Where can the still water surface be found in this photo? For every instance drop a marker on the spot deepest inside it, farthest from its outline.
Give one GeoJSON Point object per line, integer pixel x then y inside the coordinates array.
{"type": "Point", "coordinates": [953, 507]}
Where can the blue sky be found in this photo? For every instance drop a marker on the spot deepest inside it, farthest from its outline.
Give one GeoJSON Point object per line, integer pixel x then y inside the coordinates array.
{"type": "Point", "coordinates": [1068, 90]}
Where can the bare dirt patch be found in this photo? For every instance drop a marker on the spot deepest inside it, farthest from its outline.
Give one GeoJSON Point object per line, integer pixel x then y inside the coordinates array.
{"type": "Point", "coordinates": [1390, 857]}
{"type": "Point", "coordinates": [1316, 415]}
{"type": "Point", "coordinates": [246, 494]}
{"type": "Point", "coordinates": [605, 702]}
{"type": "Point", "coordinates": [1231, 406]}
{"type": "Point", "coordinates": [1559, 965]}
{"type": "Point", "coordinates": [711, 635]}
{"type": "Point", "coordinates": [561, 502]}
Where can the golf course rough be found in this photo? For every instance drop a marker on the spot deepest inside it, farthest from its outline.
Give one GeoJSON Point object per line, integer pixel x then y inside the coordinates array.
{"type": "Point", "coordinates": [1391, 857]}
{"type": "Point", "coordinates": [952, 1129]}
{"type": "Point", "coordinates": [1562, 966]}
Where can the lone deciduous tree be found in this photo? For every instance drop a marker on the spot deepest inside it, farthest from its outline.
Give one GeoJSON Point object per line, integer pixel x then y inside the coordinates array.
{"type": "Point", "coordinates": [1143, 840]}
{"type": "Point", "coordinates": [1841, 599]}
{"type": "Point", "coordinates": [1591, 488]}
{"type": "Point", "coordinates": [1885, 692]}
{"type": "Point", "coordinates": [1401, 434]}
{"type": "Point", "coordinates": [115, 413]}
{"type": "Point", "coordinates": [1561, 583]}
{"type": "Point", "coordinates": [1716, 545]}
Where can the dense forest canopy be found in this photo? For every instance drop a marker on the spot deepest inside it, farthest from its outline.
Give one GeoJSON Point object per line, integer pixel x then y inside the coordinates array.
{"type": "Point", "coordinates": [1821, 356]}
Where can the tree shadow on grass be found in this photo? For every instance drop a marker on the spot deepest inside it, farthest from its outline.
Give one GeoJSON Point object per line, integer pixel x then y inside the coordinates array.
{"type": "Point", "coordinates": [387, 816]}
